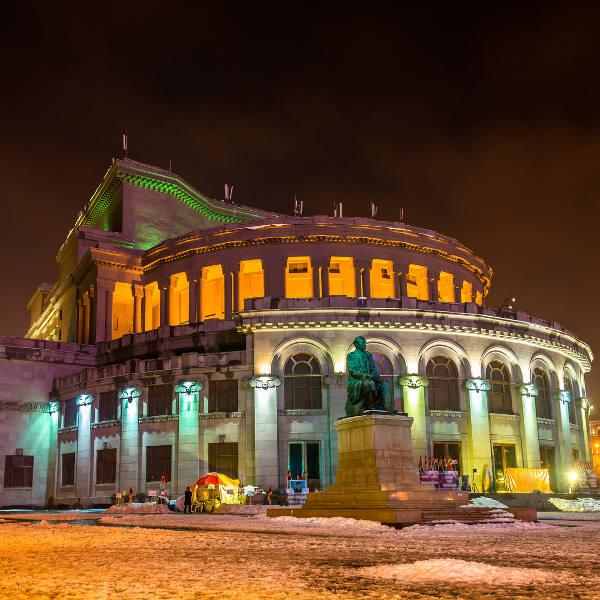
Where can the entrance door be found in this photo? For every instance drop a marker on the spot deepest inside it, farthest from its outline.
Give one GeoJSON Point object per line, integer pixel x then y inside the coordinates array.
{"type": "Point", "coordinates": [447, 450]}
{"type": "Point", "coordinates": [505, 457]}
{"type": "Point", "coordinates": [305, 457]}
{"type": "Point", "coordinates": [547, 462]}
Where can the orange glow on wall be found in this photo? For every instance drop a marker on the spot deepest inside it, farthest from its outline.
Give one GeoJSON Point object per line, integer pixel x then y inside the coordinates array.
{"type": "Point", "coordinates": [341, 277]}
{"type": "Point", "coordinates": [180, 300]}
{"type": "Point", "coordinates": [416, 282]}
{"type": "Point", "coordinates": [212, 292]}
{"type": "Point", "coordinates": [298, 277]}
{"type": "Point", "coordinates": [252, 280]}
{"type": "Point", "coordinates": [122, 310]}
{"type": "Point", "coordinates": [446, 287]}
{"type": "Point", "coordinates": [466, 293]}
{"type": "Point", "coordinates": [478, 298]}
{"type": "Point", "coordinates": [382, 279]}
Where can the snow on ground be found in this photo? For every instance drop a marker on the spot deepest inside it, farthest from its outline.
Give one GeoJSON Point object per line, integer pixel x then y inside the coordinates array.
{"type": "Point", "coordinates": [577, 505]}
{"type": "Point", "coordinates": [459, 571]}
{"type": "Point", "coordinates": [297, 558]}
{"type": "Point", "coordinates": [138, 508]}
{"type": "Point", "coordinates": [487, 502]}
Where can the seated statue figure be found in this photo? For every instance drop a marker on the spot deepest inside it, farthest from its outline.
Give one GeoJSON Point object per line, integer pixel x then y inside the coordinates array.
{"type": "Point", "coordinates": [366, 390]}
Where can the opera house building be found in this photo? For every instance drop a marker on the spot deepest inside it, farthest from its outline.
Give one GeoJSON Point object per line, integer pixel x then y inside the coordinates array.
{"type": "Point", "coordinates": [186, 334]}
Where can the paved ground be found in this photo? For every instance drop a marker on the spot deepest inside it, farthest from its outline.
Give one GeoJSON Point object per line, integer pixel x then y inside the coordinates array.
{"type": "Point", "coordinates": [265, 558]}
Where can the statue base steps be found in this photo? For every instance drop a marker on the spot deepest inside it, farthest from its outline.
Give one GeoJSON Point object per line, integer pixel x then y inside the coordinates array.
{"type": "Point", "coordinates": [376, 479]}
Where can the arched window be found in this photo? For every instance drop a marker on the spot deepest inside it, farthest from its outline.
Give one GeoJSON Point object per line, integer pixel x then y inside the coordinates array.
{"type": "Point", "coordinates": [543, 406]}
{"type": "Point", "coordinates": [499, 396]}
{"type": "Point", "coordinates": [442, 391]}
{"type": "Point", "coordinates": [302, 382]}
{"type": "Point", "coordinates": [570, 387]}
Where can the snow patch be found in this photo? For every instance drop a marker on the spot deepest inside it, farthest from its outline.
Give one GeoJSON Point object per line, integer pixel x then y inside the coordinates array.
{"type": "Point", "coordinates": [577, 505]}
{"type": "Point", "coordinates": [486, 502]}
{"type": "Point", "coordinates": [458, 571]}
{"type": "Point", "coordinates": [135, 508]}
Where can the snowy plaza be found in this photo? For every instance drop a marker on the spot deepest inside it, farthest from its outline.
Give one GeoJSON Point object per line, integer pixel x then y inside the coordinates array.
{"type": "Point", "coordinates": [214, 556]}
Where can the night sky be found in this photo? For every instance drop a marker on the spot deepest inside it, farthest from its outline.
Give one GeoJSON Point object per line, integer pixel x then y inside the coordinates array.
{"type": "Point", "coordinates": [482, 123]}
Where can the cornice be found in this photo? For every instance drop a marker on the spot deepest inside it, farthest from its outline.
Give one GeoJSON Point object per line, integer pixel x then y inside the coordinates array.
{"type": "Point", "coordinates": [24, 407]}
{"type": "Point", "coordinates": [222, 415]}
{"type": "Point", "coordinates": [395, 319]}
{"type": "Point", "coordinates": [297, 412]}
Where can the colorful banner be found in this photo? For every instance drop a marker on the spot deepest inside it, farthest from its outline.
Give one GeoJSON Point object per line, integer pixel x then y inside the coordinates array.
{"type": "Point", "coordinates": [524, 481]}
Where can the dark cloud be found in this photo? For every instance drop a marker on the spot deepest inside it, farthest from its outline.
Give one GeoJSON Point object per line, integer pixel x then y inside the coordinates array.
{"type": "Point", "coordinates": [482, 123]}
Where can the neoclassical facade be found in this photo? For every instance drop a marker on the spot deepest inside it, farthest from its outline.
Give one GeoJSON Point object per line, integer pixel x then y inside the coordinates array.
{"type": "Point", "coordinates": [187, 334]}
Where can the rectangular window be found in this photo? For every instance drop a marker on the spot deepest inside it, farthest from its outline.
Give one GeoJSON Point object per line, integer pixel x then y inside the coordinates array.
{"type": "Point", "coordinates": [223, 458]}
{"type": "Point", "coordinates": [67, 469]}
{"type": "Point", "coordinates": [158, 461]}
{"type": "Point", "coordinates": [448, 450]}
{"type": "Point", "coordinates": [223, 395]}
{"type": "Point", "coordinates": [160, 400]}
{"type": "Point", "coordinates": [69, 413]}
{"type": "Point", "coordinates": [106, 465]}
{"type": "Point", "coordinates": [18, 471]}
{"type": "Point", "coordinates": [300, 267]}
{"type": "Point", "coordinates": [334, 268]}
{"type": "Point", "coordinates": [107, 406]}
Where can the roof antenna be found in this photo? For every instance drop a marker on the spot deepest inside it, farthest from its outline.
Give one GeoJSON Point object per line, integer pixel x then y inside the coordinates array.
{"type": "Point", "coordinates": [401, 215]}
{"type": "Point", "coordinates": [298, 207]}
{"type": "Point", "coordinates": [125, 144]}
{"type": "Point", "coordinates": [337, 209]}
{"type": "Point", "coordinates": [170, 165]}
{"type": "Point", "coordinates": [373, 210]}
{"type": "Point", "coordinates": [228, 193]}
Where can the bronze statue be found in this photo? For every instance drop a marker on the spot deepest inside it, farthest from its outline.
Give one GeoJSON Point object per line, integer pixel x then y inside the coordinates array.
{"type": "Point", "coordinates": [365, 388]}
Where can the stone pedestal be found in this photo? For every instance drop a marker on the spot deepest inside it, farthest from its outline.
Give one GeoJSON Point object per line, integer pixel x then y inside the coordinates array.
{"type": "Point", "coordinates": [376, 478]}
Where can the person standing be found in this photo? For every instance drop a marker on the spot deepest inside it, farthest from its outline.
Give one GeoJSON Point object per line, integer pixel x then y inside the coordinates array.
{"type": "Point", "coordinates": [187, 500]}
{"type": "Point", "coordinates": [130, 495]}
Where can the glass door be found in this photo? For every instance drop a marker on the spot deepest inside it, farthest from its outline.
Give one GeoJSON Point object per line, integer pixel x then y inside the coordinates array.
{"type": "Point", "coordinates": [505, 457]}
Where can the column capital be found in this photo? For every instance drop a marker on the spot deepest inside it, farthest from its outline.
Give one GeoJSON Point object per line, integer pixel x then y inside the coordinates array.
{"type": "Point", "coordinates": [477, 385]}
{"type": "Point", "coordinates": [84, 399]}
{"type": "Point", "coordinates": [528, 389]}
{"type": "Point", "coordinates": [585, 405]}
{"type": "Point", "coordinates": [265, 382]}
{"type": "Point", "coordinates": [130, 394]}
{"type": "Point", "coordinates": [413, 381]}
{"type": "Point", "coordinates": [564, 396]}
{"type": "Point", "coordinates": [188, 387]}
{"type": "Point", "coordinates": [137, 289]}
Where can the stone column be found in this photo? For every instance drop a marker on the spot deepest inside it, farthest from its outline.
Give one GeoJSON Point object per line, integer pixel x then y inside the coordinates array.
{"type": "Point", "coordinates": [457, 293]}
{"type": "Point", "coordinates": [85, 324]}
{"type": "Point", "coordinates": [85, 458]}
{"type": "Point", "coordinates": [585, 430]}
{"type": "Point", "coordinates": [194, 279]}
{"type": "Point", "coordinates": [316, 277]}
{"type": "Point", "coordinates": [565, 460]}
{"type": "Point", "coordinates": [266, 455]}
{"type": "Point", "coordinates": [165, 302]}
{"type": "Point", "coordinates": [92, 311]}
{"type": "Point", "coordinates": [138, 291]}
{"type": "Point", "coordinates": [275, 277]}
{"type": "Point", "coordinates": [51, 486]}
{"type": "Point", "coordinates": [130, 442]}
{"type": "Point", "coordinates": [230, 289]}
{"type": "Point", "coordinates": [479, 429]}
{"type": "Point", "coordinates": [401, 270]}
{"type": "Point", "coordinates": [79, 320]}
{"type": "Point", "coordinates": [529, 428]}
{"type": "Point", "coordinates": [188, 465]}
{"type": "Point", "coordinates": [414, 406]}
{"type": "Point", "coordinates": [104, 307]}
{"type": "Point", "coordinates": [325, 277]}
{"type": "Point", "coordinates": [434, 277]}
{"type": "Point", "coordinates": [363, 280]}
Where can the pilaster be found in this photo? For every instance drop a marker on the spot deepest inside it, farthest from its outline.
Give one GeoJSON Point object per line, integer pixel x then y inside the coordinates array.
{"type": "Point", "coordinates": [479, 426]}
{"type": "Point", "coordinates": [129, 451]}
{"type": "Point", "coordinates": [564, 439]}
{"type": "Point", "coordinates": [529, 428]}
{"type": "Point", "coordinates": [266, 454]}
{"type": "Point", "coordinates": [85, 459]}
{"type": "Point", "coordinates": [414, 406]}
{"type": "Point", "coordinates": [138, 292]}
{"type": "Point", "coordinates": [104, 306]}
{"type": "Point", "coordinates": [275, 277]}
{"type": "Point", "coordinates": [188, 465]}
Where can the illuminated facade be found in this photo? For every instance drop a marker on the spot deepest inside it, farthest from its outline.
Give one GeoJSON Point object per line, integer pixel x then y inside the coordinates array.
{"type": "Point", "coordinates": [187, 334]}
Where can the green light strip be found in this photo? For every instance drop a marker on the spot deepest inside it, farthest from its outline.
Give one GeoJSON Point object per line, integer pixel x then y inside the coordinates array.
{"type": "Point", "coordinates": [177, 192]}
{"type": "Point", "coordinates": [102, 203]}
